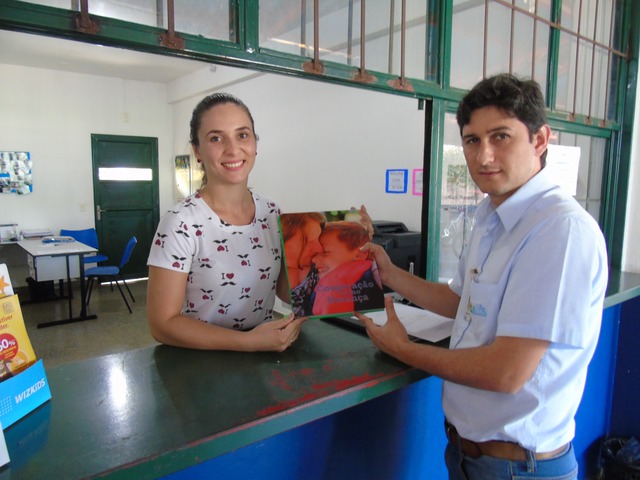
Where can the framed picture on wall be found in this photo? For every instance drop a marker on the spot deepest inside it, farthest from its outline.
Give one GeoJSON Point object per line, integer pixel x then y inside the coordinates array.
{"type": "Point", "coordinates": [15, 172]}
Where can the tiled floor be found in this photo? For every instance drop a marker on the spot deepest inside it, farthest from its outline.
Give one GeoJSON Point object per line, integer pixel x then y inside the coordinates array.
{"type": "Point", "coordinates": [115, 329]}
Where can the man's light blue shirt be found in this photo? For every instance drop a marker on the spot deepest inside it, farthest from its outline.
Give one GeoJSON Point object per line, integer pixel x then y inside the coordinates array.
{"type": "Point", "coordinates": [535, 267]}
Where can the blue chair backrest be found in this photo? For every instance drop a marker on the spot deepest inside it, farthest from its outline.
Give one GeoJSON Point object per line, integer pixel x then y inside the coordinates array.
{"type": "Point", "coordinates": [127, 252]}
{"type": "Point", "coordinates": [88, 236]}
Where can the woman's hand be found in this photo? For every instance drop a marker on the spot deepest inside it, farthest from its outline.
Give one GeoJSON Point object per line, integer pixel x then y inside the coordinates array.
{"type": "Point", "coordinates": [276, 335]}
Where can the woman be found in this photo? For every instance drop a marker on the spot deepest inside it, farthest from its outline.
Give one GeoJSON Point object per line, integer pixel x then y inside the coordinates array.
{"type": "Point", "coordinates": [215, 265]}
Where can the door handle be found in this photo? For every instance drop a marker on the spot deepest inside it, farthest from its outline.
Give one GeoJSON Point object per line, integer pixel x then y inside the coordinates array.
{"type": "Point", "coordinates": [98, 212]}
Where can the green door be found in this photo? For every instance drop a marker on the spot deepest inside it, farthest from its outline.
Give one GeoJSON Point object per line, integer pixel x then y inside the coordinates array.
{"type": "Point", "coordinates": [125, 192]}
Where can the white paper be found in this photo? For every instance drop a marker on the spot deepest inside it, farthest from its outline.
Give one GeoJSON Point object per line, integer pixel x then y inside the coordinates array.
{"type": "Point", "coordinates": [419, 323]}
{"type": "Point", "coordinates": [563, 162]}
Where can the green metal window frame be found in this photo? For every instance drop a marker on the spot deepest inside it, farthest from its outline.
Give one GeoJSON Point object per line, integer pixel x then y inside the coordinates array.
{"type": "Point", "coordinates": [247, 53]}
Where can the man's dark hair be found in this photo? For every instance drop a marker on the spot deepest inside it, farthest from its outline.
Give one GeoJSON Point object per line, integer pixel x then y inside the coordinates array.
{"type": "Point", "coordinates": [516, 97]}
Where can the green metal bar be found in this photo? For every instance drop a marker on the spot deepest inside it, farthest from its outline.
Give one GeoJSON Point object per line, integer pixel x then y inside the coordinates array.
{"type": "Point", "coordinates": [445, 27]}
{"type": "Point", "coordinates": [432, 197]}
{"type": "Point", "coordinates": [553, 55]}
{"type": "Point", "coordinates": [249, 24]}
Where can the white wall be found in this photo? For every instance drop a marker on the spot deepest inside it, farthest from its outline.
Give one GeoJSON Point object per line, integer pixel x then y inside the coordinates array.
{"type": "Point", "coordinates": [52, 114]}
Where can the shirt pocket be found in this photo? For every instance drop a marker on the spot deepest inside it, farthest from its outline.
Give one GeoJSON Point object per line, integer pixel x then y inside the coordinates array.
{"type": "Point", "coordinates": [480, 318]}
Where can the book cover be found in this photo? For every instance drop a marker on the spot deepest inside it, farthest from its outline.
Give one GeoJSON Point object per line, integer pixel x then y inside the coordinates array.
{"type": "Point", "coordinates": [16, 352]}
{"type": "Point", "coordinates": [328, 275]}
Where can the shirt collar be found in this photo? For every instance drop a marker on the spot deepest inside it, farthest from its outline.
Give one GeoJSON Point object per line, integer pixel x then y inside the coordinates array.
{"type": "Point", "coordinates": [512, 209]}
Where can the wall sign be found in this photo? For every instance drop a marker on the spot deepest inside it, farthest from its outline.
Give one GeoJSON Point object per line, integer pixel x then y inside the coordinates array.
{"type": "Point", "coordinates": [15, 172]}
{"type": "Point", "coordinates": [417, 181]}
{"type": "Point", "coordinates": [397, 181]}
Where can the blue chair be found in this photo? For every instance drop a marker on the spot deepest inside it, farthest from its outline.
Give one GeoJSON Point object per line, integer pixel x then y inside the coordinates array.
{"type": "Point", "coordinates": [88, 236]}
{"type": "Point", "coordinates": [113, 273]}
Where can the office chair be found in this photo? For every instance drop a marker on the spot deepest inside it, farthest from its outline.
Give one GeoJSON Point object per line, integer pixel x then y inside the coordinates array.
{"type": "Point", "coordinates": [113, 273]}
{"type": "Point", "coordinates": [88, 236]}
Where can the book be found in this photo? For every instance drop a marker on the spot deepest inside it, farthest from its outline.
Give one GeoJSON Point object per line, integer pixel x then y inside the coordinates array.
{"type": "Point", "coordinates": [327, 272]}
{"type": "Point", "coordinates": [16, 352]}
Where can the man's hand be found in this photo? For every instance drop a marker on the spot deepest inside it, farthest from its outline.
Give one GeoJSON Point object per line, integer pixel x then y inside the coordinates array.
{"type": "Point", "coordinates": [377, 253]}
{"type": "Point", "coordinates": [391, 337]}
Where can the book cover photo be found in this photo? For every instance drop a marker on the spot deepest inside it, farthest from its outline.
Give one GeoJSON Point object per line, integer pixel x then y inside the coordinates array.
{"type": "Point", "coordinates": [328, 274]}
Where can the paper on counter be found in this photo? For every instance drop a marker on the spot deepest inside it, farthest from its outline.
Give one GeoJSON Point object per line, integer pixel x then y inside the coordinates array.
{"type": "Point", "coordinates": [419, 323]}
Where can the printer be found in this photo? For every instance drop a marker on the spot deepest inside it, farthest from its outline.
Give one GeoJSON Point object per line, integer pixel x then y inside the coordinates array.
{"type": "Point", "coordinates": [402, 246]}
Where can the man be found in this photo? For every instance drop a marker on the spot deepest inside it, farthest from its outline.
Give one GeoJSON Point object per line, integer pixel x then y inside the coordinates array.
{"type": "Point", "coordinates": [527, 299]}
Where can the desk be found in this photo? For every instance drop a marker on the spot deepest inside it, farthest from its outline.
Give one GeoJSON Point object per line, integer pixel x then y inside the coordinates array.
{"type": "Point", "coordinates": [50, 261]}
{"type": "Point", "coordinates": [147, 413]}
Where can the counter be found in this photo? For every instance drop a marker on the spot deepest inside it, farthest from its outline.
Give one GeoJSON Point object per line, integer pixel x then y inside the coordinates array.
{"type": "Point", "coordinates": [146, 413]}
{"type": "Point", "coordinates": [331, 407]}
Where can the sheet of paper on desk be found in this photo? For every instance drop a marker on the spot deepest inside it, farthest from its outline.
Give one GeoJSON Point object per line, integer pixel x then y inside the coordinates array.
{"type": "Point", "coordinates": [419, 323]}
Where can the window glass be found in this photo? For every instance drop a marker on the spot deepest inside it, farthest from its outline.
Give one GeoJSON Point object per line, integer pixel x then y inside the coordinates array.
{"type": "Point", "coordinates": [124, 174]}
{"type": "Point", "coordinates": [467, 49]}
{"type": "Point", "coordinates": [566, 72]}
{"type": "Point", "coordinates": [591, 151]}
{"type": "Point", "coordinates": [340, 33]}
{"type": "Point", "coordinates": [143, 12]}
{"type": "Point", "coordinates": [525, 56]}
{"type": "Point", "coordinates": [585, 64]}
{"type": "Point", "coordinates": [66, 4]}
{"type": "Point", "coordinates": [459, 197]}
{"type": "Point", "coordinates": [207, 18]}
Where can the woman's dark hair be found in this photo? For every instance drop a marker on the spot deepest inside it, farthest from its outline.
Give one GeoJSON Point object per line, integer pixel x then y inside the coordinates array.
{"type": "Point", "coordinates": [519, 98]}
{"type": "Point", "coordinates": [212, 101]}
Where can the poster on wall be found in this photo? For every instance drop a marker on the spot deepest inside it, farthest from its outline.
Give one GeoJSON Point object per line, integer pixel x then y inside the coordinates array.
{"type": "Point", "coordinates": [15, 172]}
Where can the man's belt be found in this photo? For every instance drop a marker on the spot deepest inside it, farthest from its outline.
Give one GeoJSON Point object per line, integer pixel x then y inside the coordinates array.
{"type": "Point", "coordinates": [495, 448]}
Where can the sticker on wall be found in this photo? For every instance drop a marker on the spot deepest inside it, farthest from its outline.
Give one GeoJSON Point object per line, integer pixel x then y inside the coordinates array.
{"type": "Point", "coordinates": [417, 181]}
{"type": "Point", "coordinates": [397, 181]}
{"type": "Point", "coordinates": [15, 172]}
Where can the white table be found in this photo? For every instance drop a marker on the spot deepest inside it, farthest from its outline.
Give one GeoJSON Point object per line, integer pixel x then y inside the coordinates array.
{"type": "Point", "coordinates": [51, 261]}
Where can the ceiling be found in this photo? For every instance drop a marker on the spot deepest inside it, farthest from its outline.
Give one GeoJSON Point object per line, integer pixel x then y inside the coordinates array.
{"type": "Point", "coordinates": [79, 57]}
